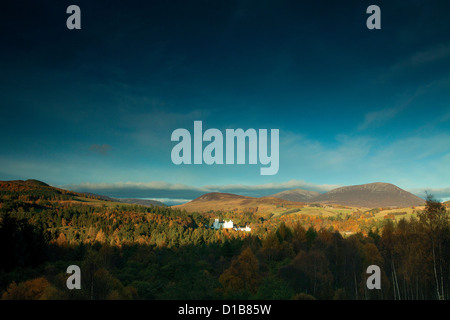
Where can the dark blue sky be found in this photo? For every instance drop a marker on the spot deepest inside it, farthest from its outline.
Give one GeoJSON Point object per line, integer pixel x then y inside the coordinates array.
{"type": "Point", "coordinates": [94, 109]}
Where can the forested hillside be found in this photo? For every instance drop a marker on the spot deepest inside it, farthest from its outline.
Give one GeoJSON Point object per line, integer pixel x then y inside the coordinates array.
{"type": "Point", "coordinates": [137, 252]}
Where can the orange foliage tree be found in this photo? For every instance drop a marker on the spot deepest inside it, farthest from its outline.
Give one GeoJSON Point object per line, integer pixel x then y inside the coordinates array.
{"type": "Point", "coordinates": [243, 274]}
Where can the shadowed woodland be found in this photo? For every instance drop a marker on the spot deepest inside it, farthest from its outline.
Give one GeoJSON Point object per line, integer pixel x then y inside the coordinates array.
{"type": "Point", "coordinates": [136, 252]}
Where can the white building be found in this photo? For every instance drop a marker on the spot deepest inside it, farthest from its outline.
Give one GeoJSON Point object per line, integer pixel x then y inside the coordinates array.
{"type": "Point", "coordinates": [216, 224]}
{"type": "Point", "coordinates": [228, 225]}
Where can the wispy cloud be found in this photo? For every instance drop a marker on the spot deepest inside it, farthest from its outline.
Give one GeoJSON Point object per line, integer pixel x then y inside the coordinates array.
{"type": "Point", "coordinates": [418, 61]}
{"type": "Point", "coordinates": [149, 129]}
{"type": "Point", "coordinates": [314, 156]}
{"type": "Point", "coordinates": [443, 118]}
{"type": "Point", "coordinates": [408, 161]}
{"type": "Point", "coordinates": [378, 118]}
{"type": "Point", "coordinates": [424, 57]}
{"type": "Point", "coordinates": [381, 117]}
{"type": "Point", "coordinates": [101, 149]}
{"type": "Point", "coordinates": [441, 194]}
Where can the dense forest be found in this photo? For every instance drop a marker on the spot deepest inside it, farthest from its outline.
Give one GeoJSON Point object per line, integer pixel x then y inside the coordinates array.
{"type": "Point", "coordinates": [137, 252]}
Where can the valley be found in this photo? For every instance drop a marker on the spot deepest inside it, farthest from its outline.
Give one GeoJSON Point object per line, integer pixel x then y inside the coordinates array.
{"type": "Point", "coordinates": [291, 250]}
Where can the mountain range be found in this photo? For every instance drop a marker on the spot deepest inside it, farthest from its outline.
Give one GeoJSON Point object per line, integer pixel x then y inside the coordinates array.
{"type": "Point", "coordinates": [372, 195]}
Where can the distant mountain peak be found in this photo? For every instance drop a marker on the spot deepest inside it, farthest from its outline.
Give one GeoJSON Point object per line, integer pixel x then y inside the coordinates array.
{"type": "Point", "coordinates": [377, 194]}
{"type": "Point", "coordinates": [35, 182]}
{"type": "Point", "coordinates": [29, 182]}
{"type": "Point", "coordinates": [219, 196]}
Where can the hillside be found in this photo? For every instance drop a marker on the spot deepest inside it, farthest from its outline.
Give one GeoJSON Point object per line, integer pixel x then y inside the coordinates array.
{"type": "Point", "coordinates": [31, 182]}
{"type": "Point", "coordinates": [372, 195]}
{"type": "Point", "coordinates": [298, 195]}
{"type": "Point", "coordinates": [141, 202]}
{"type": "Point", "coordinates": [34, 189]}
{"type": "Point", "coordinates": [232, 202]}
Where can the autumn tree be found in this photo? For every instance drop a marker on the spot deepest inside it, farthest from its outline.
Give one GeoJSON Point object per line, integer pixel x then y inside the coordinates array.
{"type": "Point", "coordinates": [435, 219]}
{"type": "Point", "coordinates": [242, 275]}
{"type": "Point", "coordinates": [29, 290]}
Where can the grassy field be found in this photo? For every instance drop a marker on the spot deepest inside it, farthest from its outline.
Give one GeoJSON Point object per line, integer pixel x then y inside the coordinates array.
{"type": "Point", "coordinates": [328, 211]}
{"type": "Point", "coordinates": [399, 213]}
{"type": "Point", "coordinates": [336, 211]}
{"type": "Point", "coordinates": [95, 202]}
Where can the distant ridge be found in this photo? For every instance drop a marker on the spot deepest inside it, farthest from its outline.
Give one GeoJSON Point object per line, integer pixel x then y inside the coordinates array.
{"type": "Point", "coordinates": [30, 182]}
{"type": "Point", "coordinates": [233, 202]}
{"type": "Point", "coordinates": [142, 202]}
{"type": "Point", "coordinates": [34, 182]}
{"type": "Point", "coordinates": [215, 196]}
{"type": "Point", "coordinates": [298, 195]}
{"type": "Point", "coordinates": [36, 185]}
{"type": "Point", "coordinates": [371, 195]}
